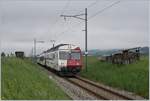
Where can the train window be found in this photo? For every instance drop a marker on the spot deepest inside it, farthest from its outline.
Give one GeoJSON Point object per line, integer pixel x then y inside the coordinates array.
{"type": "Point", "coordinates": [56, 55]}
{"type": "Point", "coordinates": [53, 56]}
{"type": "Point", "coordinates": [63, 55]}
{"type": "Point", "coordinates": [41, 58]}
{"type": "Point", "coordinates": [75, 55]}
{"type": "Point", "coordinates": [50, 56]}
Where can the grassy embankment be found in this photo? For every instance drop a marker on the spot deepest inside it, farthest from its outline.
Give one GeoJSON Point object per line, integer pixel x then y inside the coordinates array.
{"type": "Point", "coordinates": [132, 77]}
{"type": "Point", "coordinates": [22, 79]}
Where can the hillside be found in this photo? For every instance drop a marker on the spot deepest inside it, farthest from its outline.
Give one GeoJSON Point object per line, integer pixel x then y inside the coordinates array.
{"type": "Point", "coordinates": [145, 50]}
{"type": "Point", "coordinates": [98, 52]}
{"type": "Point", "coordinates": [22, 79]}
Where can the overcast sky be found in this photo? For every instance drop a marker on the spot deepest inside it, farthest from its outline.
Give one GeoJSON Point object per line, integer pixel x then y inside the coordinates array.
{"type": "Point", "coordinates": [124, 25]}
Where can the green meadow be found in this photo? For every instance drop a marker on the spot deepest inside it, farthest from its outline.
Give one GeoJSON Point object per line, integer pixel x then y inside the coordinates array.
{"type": "Point", "coordinates": [131, 77]}
{"type": "Point", "coordinates": [22, 79]}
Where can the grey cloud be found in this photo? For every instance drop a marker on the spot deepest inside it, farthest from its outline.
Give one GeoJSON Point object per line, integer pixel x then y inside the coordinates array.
{"type": "Point", "coordinates": [122, 26]}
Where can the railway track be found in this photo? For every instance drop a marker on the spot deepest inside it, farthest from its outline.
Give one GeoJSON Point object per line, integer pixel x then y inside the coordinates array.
{"type": "Point", "coordinates": [100, 91]}
{"type": "Point", "coordinates": [97, 90]}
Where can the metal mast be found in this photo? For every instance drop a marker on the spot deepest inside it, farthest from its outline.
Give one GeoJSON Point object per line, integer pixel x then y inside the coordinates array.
{"type": "Point", "coordinates": [85, 19]}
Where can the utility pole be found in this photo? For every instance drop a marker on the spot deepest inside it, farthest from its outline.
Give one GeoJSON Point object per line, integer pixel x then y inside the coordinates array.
{"type": "Point", "coordinates": [53, 42]}
{"type": "Point", "coordinates": [85, 19]}
{"type": "Point", "coordinates": [35, 42]}
{"type": "Point", "coordinates": [86, 52]}
{"type": "Point", "coordinates": [32, 54]}
{"type": "Point", "coordinates": [34, 49]}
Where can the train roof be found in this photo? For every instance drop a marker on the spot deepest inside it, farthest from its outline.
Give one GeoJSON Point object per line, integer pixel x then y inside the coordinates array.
{"type": "Point", "coordinates": [56, 47]}
{"type": "Point", "coordinates": [19, 51]}
{"type": "Point", "coordinates": [62, 46]}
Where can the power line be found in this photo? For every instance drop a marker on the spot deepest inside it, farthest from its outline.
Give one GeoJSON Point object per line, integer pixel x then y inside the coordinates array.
{"type": "Point", "coordinates": [66, 6]}
{"type": "Point", "coordinates": [63, 10]}
{"type": "Point", "coordinates": [68, 29]}
{"type": "Point", "coordinates": [102, 10]}
{"type": "Point", "coordinates": [90, 5]}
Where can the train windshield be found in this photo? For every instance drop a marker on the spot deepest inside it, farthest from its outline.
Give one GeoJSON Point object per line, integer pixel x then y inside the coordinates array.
{"type": "Point", "coordinates": [66, 55]}
{"type": "Point", "coordinates": [63, 55]}
{"type": "Point", "coordinates": [75, 55]}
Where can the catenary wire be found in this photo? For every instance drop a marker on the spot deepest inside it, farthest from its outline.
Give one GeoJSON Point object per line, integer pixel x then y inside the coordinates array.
{"type": "Point", "coordinates": [102, 10]}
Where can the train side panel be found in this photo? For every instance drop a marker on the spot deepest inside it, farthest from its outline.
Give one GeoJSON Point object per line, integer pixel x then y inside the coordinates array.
{"type": "Point", "coordinates": [41, 59]}
{"type": "Point", "coordinates": [52, 60]}
{"type": "Point", "coordinates": [65, 58]}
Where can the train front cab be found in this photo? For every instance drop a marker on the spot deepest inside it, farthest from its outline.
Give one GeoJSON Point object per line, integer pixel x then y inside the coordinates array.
{"type": "Point", "coordinates": [70, 61]}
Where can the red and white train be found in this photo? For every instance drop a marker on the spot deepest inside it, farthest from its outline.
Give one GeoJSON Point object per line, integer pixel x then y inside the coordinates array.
{"type": "Point", "coordinates": [64, 58]}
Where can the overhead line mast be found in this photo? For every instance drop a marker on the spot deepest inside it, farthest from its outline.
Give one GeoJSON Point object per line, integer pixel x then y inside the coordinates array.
{"type": "Point", "coordinates": [85, 19]}
{"type": "Point", "coordinates": [102, 10]}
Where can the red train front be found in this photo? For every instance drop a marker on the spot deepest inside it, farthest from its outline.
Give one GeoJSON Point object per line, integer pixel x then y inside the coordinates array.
{"type": "Point", "coordinates": [73, 63]}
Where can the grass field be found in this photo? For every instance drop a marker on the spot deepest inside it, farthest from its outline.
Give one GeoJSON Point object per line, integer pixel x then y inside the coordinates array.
{"type": "Point", "coordinates": [21, 79]}
{"type": "Point", "coordinates": [132, 77]}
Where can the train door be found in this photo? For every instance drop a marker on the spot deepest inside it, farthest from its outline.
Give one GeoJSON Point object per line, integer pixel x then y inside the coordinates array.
{"type": "Point", "coordinates": [55, 60]}
{"type": "Point", "coordinates": [45, 59]}
{"type": "Point", "coordinates": [49, 60]}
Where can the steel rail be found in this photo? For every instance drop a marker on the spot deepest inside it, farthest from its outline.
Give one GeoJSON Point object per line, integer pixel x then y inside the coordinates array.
{"type": "Point", "coordinates": [89, 84]}
{"type": "Point", "coordinates": [106, 89]}
{"type": "Point", "coordinates": [86, 89]}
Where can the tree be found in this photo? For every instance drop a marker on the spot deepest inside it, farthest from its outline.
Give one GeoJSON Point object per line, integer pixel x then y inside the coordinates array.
{"type": "Point", "coordinates": [2, 54]}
